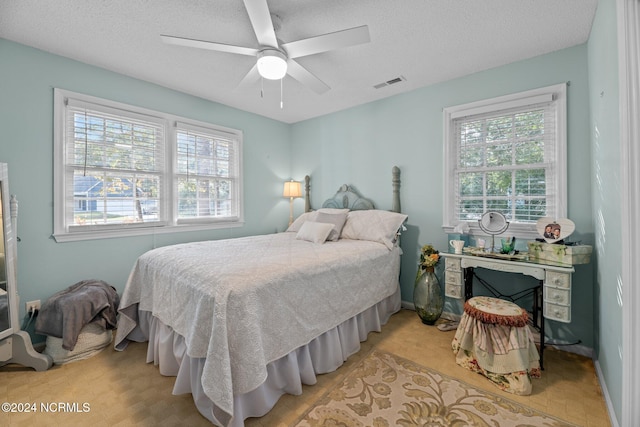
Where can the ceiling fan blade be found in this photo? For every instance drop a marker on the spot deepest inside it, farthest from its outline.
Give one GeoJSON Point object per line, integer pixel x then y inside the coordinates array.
{"type": "Point", "coordinates": [201, 44]}
{"type": "Point", "coordinates": [330, 41]}
{"type": "Point", "coordinates": [305, 77]}
{"type": "Point", "coordinates": [251, 77]}
{"type": "Point", "coordinates": [260, 17]}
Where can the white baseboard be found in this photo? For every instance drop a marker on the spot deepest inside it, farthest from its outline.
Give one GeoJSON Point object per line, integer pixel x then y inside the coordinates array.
{"type": "Point", "coordinates": [605, 393]}
{"type": "Point", "coordinates": [407, 305]}
{"type": "Point", "coordinates": [581, 350]}
{"type": "Point", "coordinates": [445, 315]}
{"type": "Point", "coordinates": [450, 316]}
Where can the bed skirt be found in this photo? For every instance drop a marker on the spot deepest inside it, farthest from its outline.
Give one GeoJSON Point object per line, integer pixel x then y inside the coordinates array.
{"type": "Point", "coordinates": [324, 354]}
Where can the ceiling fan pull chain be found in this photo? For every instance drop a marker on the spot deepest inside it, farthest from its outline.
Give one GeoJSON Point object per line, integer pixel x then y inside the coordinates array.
{"type": "Point", "coordinates": [281, 102]}
{"type": "Point", "coordinates": [261, 87]}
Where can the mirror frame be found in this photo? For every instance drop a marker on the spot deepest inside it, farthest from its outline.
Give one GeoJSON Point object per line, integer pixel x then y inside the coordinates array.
{"type": "Point", "coordinates": [11, 251]}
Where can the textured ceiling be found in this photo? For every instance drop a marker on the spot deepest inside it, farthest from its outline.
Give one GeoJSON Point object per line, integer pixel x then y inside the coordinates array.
{"type": "Point", "coordinates": [424, 41]}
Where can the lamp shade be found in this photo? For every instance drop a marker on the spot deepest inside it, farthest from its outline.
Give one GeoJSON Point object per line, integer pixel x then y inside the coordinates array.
{"type": "Point", "coordinates": [292, 189]}
{"type": "Point", "coordinates": [272, 64]}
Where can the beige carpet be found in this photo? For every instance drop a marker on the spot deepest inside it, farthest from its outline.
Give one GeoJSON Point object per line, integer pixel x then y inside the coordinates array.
{"type": "Point", "coordinates": [123, 391]}
{"type": "Point", "coordinates": [388, 390]}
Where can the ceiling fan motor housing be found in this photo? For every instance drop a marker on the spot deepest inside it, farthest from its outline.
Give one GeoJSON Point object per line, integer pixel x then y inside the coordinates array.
{"type": "Point", "coordinates": [272, 63]}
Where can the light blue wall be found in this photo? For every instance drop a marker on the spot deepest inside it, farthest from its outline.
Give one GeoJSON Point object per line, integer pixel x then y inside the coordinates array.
{"type": "Point", "coordinates": [359, 146]}
{"type": "Point", "coordinates": [606, 181]}
{"type": "Point", "coordinates": [27, 79]}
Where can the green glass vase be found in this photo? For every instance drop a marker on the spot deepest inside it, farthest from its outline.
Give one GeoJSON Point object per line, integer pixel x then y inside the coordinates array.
{"type": "Point", "coordinates": [427, 296]}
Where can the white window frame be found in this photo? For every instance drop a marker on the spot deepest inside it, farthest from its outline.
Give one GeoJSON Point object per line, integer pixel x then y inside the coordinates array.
{"type": "Point", "coordinates": [214, 134]}
{"type": "Point", "coordinates": [558, 93]}
{"type": "Point", "coordinates": [168, 222]}
{"type": "Point", "coordinates": [629, 90]}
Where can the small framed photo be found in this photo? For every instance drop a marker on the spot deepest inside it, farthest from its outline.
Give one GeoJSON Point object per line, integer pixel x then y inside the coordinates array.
{"type": "Point", "coordinates": [554, 230]}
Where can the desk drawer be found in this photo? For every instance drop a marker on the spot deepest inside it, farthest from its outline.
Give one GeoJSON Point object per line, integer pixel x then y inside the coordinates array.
{"type": "Point", "coordinates": [559, 280]}
{"type": "Point", "coordinates": [453, 291]}
{"type": "Point", "coordinates": [557, 295]}
{"type": "Point", "coordinates": [452, 264]}
{"type": "Point", "coordinates": [560, 313]}
{"type": "Point", "coordinates": [453, 278]}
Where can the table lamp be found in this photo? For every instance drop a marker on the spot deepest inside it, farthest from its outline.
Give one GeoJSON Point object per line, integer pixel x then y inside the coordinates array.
{"type": "Point", "coordinates": [291, 189]}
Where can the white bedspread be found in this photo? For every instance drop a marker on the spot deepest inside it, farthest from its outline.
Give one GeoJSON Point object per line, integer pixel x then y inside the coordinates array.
{"type": "Point", "coordinates": [242, 303]}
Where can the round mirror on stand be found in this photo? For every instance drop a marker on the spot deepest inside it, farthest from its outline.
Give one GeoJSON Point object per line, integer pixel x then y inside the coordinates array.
{"type": "Point", "coordinates": [493, 223]}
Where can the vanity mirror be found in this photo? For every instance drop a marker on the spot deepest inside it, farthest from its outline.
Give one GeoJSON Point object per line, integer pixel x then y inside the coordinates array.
{"type": "Point", "coordinates": [15, 344]}
{"type": "Point", "coordinates": [493, 223]}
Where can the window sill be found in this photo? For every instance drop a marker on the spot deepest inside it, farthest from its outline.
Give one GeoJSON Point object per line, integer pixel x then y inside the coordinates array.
{"type": "Point", "coordinates": [143, 231]}
{"type": "Point", "coordinates": [520, 231]}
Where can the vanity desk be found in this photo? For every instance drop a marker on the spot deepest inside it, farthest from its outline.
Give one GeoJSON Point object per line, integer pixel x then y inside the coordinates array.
{"type": "Point", "coordinates": [553, 291]}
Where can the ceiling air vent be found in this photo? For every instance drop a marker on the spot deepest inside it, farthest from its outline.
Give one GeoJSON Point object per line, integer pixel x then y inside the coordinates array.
{"type": "Point", "coordinates": [390, 82]}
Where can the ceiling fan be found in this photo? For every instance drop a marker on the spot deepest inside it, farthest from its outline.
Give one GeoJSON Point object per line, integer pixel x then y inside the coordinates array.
{"type": "Point", "coordinates": [274, 60]}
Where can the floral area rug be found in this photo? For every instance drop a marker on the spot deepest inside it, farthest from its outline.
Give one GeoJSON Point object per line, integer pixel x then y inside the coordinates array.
{"type": "Point", "coordinates": [387, 390]}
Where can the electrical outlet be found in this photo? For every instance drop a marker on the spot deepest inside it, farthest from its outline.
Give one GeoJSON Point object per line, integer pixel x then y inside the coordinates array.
{"type": "Point", "coordinates": [31, 306]}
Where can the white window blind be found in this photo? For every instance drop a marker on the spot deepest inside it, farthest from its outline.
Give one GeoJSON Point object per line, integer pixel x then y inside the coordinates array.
{"type": "Point", "coordinates": [505, 163]}
{"type": "Point", "coordinates": [506, 155]}
{"type": "Point", "coordinates": [114, 166]}
{"type": "Point", "coordinates": [207, 174]}
{"type": "Point", "coordinates": [122, 170]}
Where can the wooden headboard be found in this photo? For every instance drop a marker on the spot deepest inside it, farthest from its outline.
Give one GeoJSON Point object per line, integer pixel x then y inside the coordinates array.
{"type": "Point", "coordinates": [348, 197]}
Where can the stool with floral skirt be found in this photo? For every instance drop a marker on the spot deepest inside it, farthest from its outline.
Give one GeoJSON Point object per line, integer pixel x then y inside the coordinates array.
{"type": "Point", "coordinates": [493, 339]}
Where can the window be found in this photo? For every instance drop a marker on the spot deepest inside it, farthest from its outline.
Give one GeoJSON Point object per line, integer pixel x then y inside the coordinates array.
{"type": "Point", "coordinates": [207, 174]}
{"type": "Point", "coordinates": [121, 170]}
{"type": "Point", "coordinates": [506, 154]}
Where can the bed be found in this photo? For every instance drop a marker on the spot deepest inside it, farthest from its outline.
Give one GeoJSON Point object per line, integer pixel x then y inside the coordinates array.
{"type": "Point", "coordinates": [239, 322]}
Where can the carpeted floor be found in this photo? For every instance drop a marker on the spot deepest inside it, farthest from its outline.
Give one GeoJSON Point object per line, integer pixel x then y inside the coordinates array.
{"type": "Point", "coordinates": [385, 390]}
{"type": "Point", "coordinates": [122, 390]}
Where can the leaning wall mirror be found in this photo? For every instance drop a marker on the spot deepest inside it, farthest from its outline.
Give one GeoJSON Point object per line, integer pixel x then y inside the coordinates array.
{"type": "Point", "coordinates": [15, 344]}
{"type": "Point", "coordinates": [8, 315]}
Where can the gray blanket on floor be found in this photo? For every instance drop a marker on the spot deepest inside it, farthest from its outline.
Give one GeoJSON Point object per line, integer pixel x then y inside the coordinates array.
{"type": "Point", "coordinates": [68, 311]}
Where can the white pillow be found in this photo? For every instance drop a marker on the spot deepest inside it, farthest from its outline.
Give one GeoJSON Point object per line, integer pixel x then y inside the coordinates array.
{"type": "Point", "coordinates": [316, 232]}
{"type": "Point", "coordinates": [307, 216]}
{"type": "Point", "coordinates": [337, 220]}
{"type": "Point", "coordinates": [375, 225]}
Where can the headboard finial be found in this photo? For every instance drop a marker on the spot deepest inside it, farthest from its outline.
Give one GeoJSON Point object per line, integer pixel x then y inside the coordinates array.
{"type": "Point", "coordinates": [307, 201]}
{"type": "Point", "coordinates": [395, 182]}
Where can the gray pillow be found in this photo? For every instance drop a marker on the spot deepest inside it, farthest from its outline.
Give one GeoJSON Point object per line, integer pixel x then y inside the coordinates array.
{"type": "Point", "coordinates": [337, 219]}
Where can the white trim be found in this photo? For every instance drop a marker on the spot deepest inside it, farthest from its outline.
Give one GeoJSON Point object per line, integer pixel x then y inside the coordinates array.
{"type": "Point", "coordinates": [506, 102]}
{"type": "Point", "coordinates": [206, 129]}
{"type": "Point", "coordinates": [579, 349]}
{"type": "Point", "coordinates": [521, 231]}
{"type": "Point", "coordinates": [607, 397]}
{"type": "Point", "coordinates": [58, 162]}
{"type": "Point", "coordinates": [407, 305]}
{"type": "Point", "coordinates": [556, 92]}
{"type": "Point", "coordinates": [168, 223]}
{"type": "Point", "coordinates": [628, 17]}
{"type": "Point", "coordinates": [74, 237]}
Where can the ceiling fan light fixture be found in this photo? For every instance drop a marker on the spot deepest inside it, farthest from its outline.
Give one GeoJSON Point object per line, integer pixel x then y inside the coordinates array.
{"type": "Point", "coordinates": [272, 64]}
